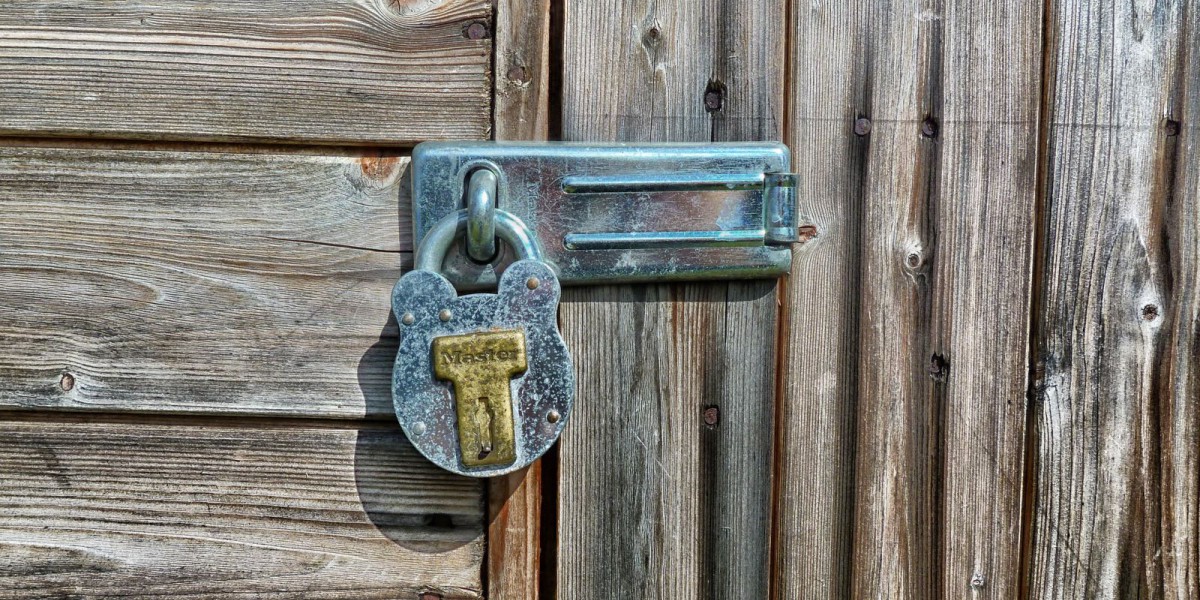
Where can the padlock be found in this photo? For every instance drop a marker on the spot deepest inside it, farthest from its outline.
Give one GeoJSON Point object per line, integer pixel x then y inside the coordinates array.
{"type": "Point", "coordinates": [483, 383]}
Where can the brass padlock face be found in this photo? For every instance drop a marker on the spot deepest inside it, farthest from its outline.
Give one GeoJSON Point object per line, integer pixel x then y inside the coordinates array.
{"type": "Point", "coordinates": [437, 402]}
{"type": "Point", "coordinates": [481, 366]}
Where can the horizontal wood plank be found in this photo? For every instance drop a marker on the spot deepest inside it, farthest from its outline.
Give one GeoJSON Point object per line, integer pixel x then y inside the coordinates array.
{"type": "Point", "coordinates": [157, 510]}
{"type": "Point", "coordinates": [194, 282]}
{"type": "Point", "coordinates": [324, 71]}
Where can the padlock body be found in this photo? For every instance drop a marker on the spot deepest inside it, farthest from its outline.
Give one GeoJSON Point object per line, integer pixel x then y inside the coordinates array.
{"type": "Point", "coordinates": [459, 354]}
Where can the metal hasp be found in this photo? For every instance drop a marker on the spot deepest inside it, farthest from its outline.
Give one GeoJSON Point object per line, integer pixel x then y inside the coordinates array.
{"type": "Point", "coordinates": [613, 213]}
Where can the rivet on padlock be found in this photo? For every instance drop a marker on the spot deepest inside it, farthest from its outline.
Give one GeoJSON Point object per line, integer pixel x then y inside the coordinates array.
{"type": "Point", "coordinates": [483, 383]}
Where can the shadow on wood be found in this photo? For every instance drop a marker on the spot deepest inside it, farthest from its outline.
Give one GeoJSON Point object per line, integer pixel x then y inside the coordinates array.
{"type": "Point", "coordinates": [384, 478]}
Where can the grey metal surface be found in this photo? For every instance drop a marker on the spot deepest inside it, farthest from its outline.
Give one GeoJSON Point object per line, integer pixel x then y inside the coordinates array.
{"type": "Point", "coordinates": [481, 215]}
{"type": "Point", "coordinates": [433, 249]}
{"type": "Point", "coordinates": [542, 396]}
{"type": "Point", "coordinates": [427, 307]}
{"type": "Point", "coordinates": [620, 213]}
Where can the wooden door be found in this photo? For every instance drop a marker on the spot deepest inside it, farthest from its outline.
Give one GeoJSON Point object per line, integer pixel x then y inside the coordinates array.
{"type": "Point", "coordinates": [979, 379]}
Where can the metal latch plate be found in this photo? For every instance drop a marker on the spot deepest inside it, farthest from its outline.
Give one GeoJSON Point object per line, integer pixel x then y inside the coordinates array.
{"type": "Point", "coordinates": [621, 213]}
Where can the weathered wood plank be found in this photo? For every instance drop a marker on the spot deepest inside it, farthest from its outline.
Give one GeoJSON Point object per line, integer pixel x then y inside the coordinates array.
{"type": "Point", "coordinates": [522, 99]}
{"type": "Point", "coordinates": [199, 282]}
{"type": "Point", "coordinates": [817, 395]}
{"type": "Point", "coordinates": [985, 227]}
{"type": "Point", "coordinates": [514, 543]}
{"type": "Point", "coordinates": [1115, 418]}
{"type": "Point", "coordinates": [522, 112]}
{"type": "Point", "coordinates": [917, 122]}
{"type": "Point", "coordinates": [1180, 384]}
{"type": "Point", "coordinates": [325, 71]}
{"type": "Point", "coordinates": [899, 425]}
{"type": "Point", "coordinates": [665, 470]}
{"type": "Point", "coordinates": [144, 510]}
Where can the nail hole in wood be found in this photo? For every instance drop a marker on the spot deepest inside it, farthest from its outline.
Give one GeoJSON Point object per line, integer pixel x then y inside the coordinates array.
{"type": "Point", "coordinates": [939, 368]}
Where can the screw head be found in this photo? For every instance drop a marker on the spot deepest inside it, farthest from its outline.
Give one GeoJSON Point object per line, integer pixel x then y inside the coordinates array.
{"type": "Point", "coordinates": [713, 101]}
{"type": "Point", "coordinates": [418, 428]}
{"type": "Point", "coordinates": [939, 368]}
{"type": "Point", "coordinates": [518, 75]}
{"type": "Point", "coordinates": [476, 31]}
{"type": "Point", "coordinates": [445, 315]}
{"type": "Point", "coordinates": [533, 283]}
{"type": "Point", "coordinates": [553, 416]}
{"type": "Point", "coordinates": [408, 319]}
{"type": "Point", "coordinates": [862, 126]}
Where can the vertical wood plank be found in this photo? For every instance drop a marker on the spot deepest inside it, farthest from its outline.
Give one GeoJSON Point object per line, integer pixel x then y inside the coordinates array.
{"type": "Point", "coordinates": [655, 501]}
{"type": "Point", "coordinates": [899, 423]}
{"type": "Point", "coordinates": [908, 327]}
{"type": "Point", "coordinates": [522, 76]}
{"type": "Point", "coordinates": [1180, 384]}
{"type": "Point", "coordinates": [514, 534]}
{"type": "Point", "coordinates": [986, 226]}
{"type": "Point", "coordinates": [817, 394]}
{"type": "Point", "coordinates": [1115, 401]}
{"type": "Point", "coordinates": [522, 69]}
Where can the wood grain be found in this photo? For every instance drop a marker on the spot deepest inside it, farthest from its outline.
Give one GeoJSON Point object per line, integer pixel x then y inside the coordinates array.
{"type": "Point", "coordinates": [514, 542]}
{"type": "Point", "coordinates": [654, 500]}
{"type": "Point", "coordinates": [198, 282]}
{"type": "Point", "coordinates": [908, 307]}
{"type": "Point", "coordinates": [521, 112]}
{"type": "Point", "coordinates": [323, 71]}
{"type": "Point", "coordinates": [984, 267]}
{"type": "Point", "coordinates": [1180, 385]}
{"type": "Point", "coordinates": [817, 401]}
{"type": "Point", "coordinates": [1118, 483]}
{"type": "Point", "coordinates": [522, 95]}
{"type": "Point", "coordinates": [152, 510]}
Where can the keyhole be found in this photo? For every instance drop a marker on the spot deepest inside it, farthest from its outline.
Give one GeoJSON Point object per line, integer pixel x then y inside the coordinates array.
{"type": "Point", "coordinates": [487, 421]}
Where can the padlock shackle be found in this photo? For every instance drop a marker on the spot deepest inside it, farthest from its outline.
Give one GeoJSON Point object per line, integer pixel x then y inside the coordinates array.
{"type": "Point", "coordinates": [432, 250]}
